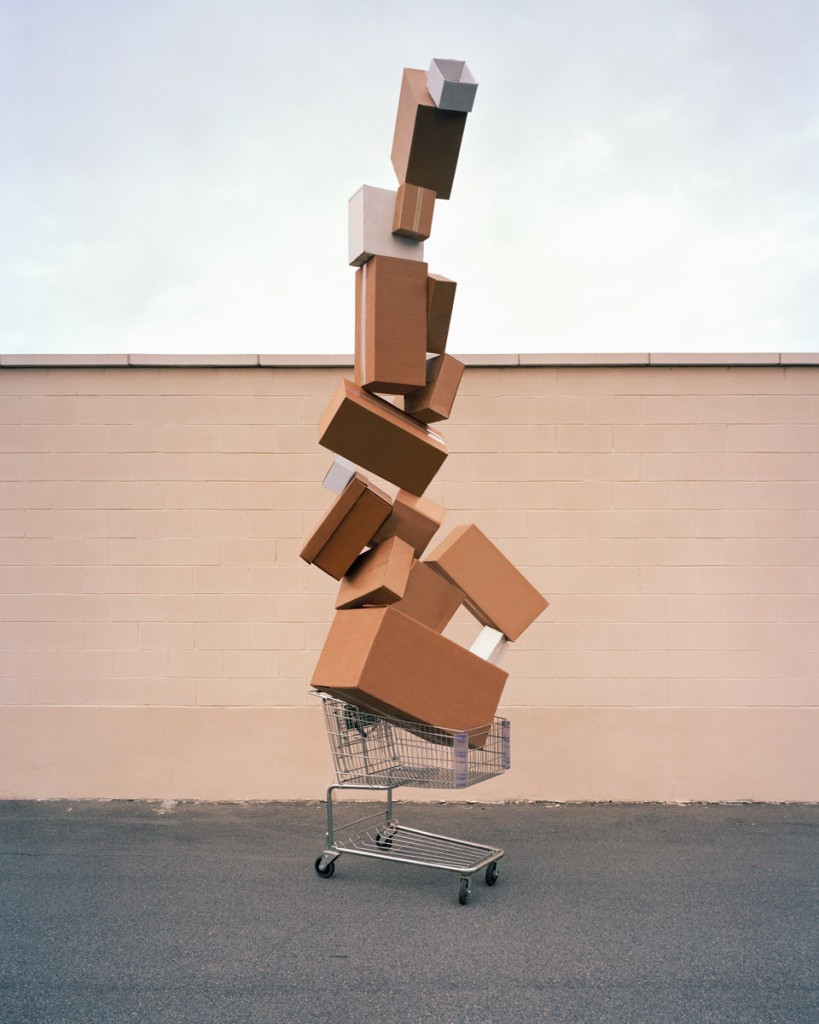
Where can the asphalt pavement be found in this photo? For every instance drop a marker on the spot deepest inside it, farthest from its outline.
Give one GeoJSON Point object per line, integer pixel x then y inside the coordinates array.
{"type": "Point", "coordinates": [125, 911]}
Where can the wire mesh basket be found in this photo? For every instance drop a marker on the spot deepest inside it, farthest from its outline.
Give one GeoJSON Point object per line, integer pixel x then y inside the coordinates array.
{"type": "Point", "coordinates": [374, 750]}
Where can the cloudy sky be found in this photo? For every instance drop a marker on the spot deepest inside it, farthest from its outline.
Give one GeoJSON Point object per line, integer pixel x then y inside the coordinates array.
{"type": "Point", "coordinates": [637, 175]}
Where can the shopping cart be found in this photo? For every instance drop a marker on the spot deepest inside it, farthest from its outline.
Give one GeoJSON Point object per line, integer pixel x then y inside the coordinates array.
{"type": "Point", "coordinates": [376, 753]}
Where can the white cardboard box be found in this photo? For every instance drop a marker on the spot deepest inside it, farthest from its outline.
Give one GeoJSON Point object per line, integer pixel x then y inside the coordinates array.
{"type": "Point", "coordinates": [490, 645]}
{"type": "Point", "coordinates": [451, 85]}
{"type": "Point", "coordinates": [339, 475]}
{"type": "Point", "coordinates": [370, 217]}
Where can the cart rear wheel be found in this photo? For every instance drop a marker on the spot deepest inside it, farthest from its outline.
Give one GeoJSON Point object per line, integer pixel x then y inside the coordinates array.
{"type": "Point", "coordinates": [385, 842]}
{"type": "Point", "coordinates": [463, 891]}
{"type": "Point", "coordinates": [492, 873]}
{"type": "Point", "coordinates": [325, 872]}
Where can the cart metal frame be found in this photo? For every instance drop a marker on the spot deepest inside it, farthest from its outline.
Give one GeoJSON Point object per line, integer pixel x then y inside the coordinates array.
{"type": "Point", "coordinates": [375, 753]}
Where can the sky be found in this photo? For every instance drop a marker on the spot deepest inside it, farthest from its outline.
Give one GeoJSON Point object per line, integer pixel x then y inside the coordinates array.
{"type": "Point", "coordinates": [636, 175]}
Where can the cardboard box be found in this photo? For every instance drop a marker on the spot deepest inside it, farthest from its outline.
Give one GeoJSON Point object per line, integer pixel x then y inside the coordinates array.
{"type": "Point", "coordinates": [496, 593]}
{"type": "Point", "coordinates": [429, 598]}
{"type": "Point", "coordinates": [339, 475]}
{"type": "Point", "coordinates": [434, 402]}
{"type": "Point", "coordinates": [380, 438]}
{"type": "Point", "coordinates": [427, 140]}
{"type": "Point", "coordinates": [383, 661]}
{"type": "Point", "coordinates": [413, 519]}
{"type": "Point", "coordinates": [347, 527]}
{"type": "Point", "coordinates": [370, 214]}
{"type": "Point", "coordinates": [414, 207]}
{"type": "Point", "coordinates": [490, 644]}
{"type": "Point", "coordinates": [391, 325]}
{"type": "Point", "coordinates": [378, 577]}
{"type": "Point", "coordinates": [440, 300]}
{"type": "Point", "coordinates": [451, 84]}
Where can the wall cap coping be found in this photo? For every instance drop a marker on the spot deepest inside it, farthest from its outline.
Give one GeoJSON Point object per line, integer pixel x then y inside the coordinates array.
{"type": "Point", "coordinates": [307, 360]}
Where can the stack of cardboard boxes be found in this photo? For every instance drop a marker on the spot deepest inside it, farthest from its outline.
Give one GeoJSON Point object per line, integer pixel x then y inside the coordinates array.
{"type": "Point", "coordinates": [386, 651]}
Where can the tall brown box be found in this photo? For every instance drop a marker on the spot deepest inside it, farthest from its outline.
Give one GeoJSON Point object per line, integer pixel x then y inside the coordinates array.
{"type": "Point", "coordinates": [385, 662]}
{"type": "Point", "coordinates": [347, 527]}
{"type": "Point", "coordinates": [434, 402]}
{"type": "Point", "coordinates": [427, 140]}
{"type": "Point", "coordinates": [429, 598]}
{"type": "Point", "coordinates": [413, 519]}
{"type": "Point", "coordinates": [440, 300]}
{"type": "Point", "coordinates": [391, 325]}
{"type": "Point", "coordinates": [375, 435]}
{"type": "Point", "coordinates": [379, 576]}
{"type": "Point", "coordinates": [414, 207]}
{"type": "Point", "coordinates": [497, 593]}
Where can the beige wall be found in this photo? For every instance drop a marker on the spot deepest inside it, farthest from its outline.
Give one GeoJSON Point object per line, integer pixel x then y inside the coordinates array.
{"type": "Point", "coordinates": [157, 628]}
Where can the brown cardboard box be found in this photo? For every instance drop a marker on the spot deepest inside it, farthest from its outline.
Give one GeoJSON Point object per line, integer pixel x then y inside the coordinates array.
{"type": "Point", "coordinates": [347, 527]}
{"type": "Point", "coordinates": [415, 520]}
{"type": "Point", "coordinates": [414, 207]}
{"type": "Point", "coordinates": [440, 299]}
{"type": "Point", "coordinates": [497, 593]}
{"type": "Point", "coordinates": [434, 402]}
{"type": "Point", "coordinates": [378, 437]}
{"type": "Point", "coordinates": [386, 662]}
{"type": "Point", "coordinates": [427, 140]}
{"type": "Point", "coordinates": [379, 576]}
{"type": "Point", "coordinates": [391, 325]}
{"type": "Point", "coordinates": [429, 598]}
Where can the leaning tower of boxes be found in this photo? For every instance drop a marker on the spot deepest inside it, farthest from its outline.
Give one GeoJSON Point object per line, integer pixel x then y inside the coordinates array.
{"type": "Point", "coordinates": [385, 651]}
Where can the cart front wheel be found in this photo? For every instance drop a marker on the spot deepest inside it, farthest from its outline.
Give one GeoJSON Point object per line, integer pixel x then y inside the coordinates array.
{"type": "Point", "coordinates": [325, 872]}
{"type": "Point", "coordinates": [463, 891]}
{"type": "Point", "coordinates": [492, 873]}
{"type": "Point", "coordinates": [385, 842]}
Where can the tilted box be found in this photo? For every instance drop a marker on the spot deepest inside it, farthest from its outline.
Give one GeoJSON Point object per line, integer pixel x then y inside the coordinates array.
{"type": "Point", "coordinates": [427, 140]}
{"type": "Point", "coordinates": [414, 207]}
{"type": "Point", "coordinates": [440, 300]}
{"type": "Point", "coordinates": [347, 527]}
{"type": "Point", "coordinates": [429, 598]}
{"type": "Point", "coordinates": [378, 576]}
{"type": "Point", "coordinates": [434, 402]}
{"type": "Point", "coordinates": [383, 661]}
{"type": "Point", "coordinates": [496, 593]}
{"type": "Point", "coordinates": [391, 325]}
{"type": "Point", "coordinates": [378, 437]}
{"type": "Point", "coordinates": [413, 519]}
{"type": "Point", "coordinates": [370, 215]}
{"type": "Point", "coordinates": [451, 84]}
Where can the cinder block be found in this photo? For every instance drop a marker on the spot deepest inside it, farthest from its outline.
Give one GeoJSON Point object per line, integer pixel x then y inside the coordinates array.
{"type": "Point", "coordinates": [451, 85]}
{"type": "Point", "coordinates": [427, 141]}
{"type": "Point", "coordinates": [440, 300]}
{"type": "Point", "coordinates": [413, 519]}
{"type": "Point", "coordinates": [370, 216]}
{"type": "Point", "coordinates": [391, 325]}
{"type": "Point", "coordinates": [414, 207]}
{"type": "Point", "coordinates": [434, 401]}
{"type": "Point", "coordinates": [380, 438]}
{"type": "Point", "coordinates": [377, 577]}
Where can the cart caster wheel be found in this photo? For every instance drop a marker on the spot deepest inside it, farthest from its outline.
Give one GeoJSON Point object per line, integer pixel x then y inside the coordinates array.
{"type": "Point", "coordinates": [463, 891]}
{"type": "Point", "coordinates": [492, 873]}
{"type": "Point", "coordinates": [325, 872]}
{"type": "Point", "coordinates": [385, 842]}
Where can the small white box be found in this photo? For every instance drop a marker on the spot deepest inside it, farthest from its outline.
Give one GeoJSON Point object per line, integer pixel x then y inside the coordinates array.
{"type": "Point", "coordinates": [339, 475]}
{"type": "Point", "coordinates": [371, 212]}
{"type": "Point", "coordinates": [451, 85]}
{"type": "Point", "coordinates": [490, 645]}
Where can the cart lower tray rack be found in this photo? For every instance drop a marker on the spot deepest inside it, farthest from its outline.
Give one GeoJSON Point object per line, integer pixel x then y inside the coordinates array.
{"type": "Point", "coordinates": [375, 753]}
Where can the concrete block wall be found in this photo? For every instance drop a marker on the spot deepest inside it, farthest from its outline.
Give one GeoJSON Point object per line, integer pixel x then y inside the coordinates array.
{"type": "Point", "coordinates": [158, 630]}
